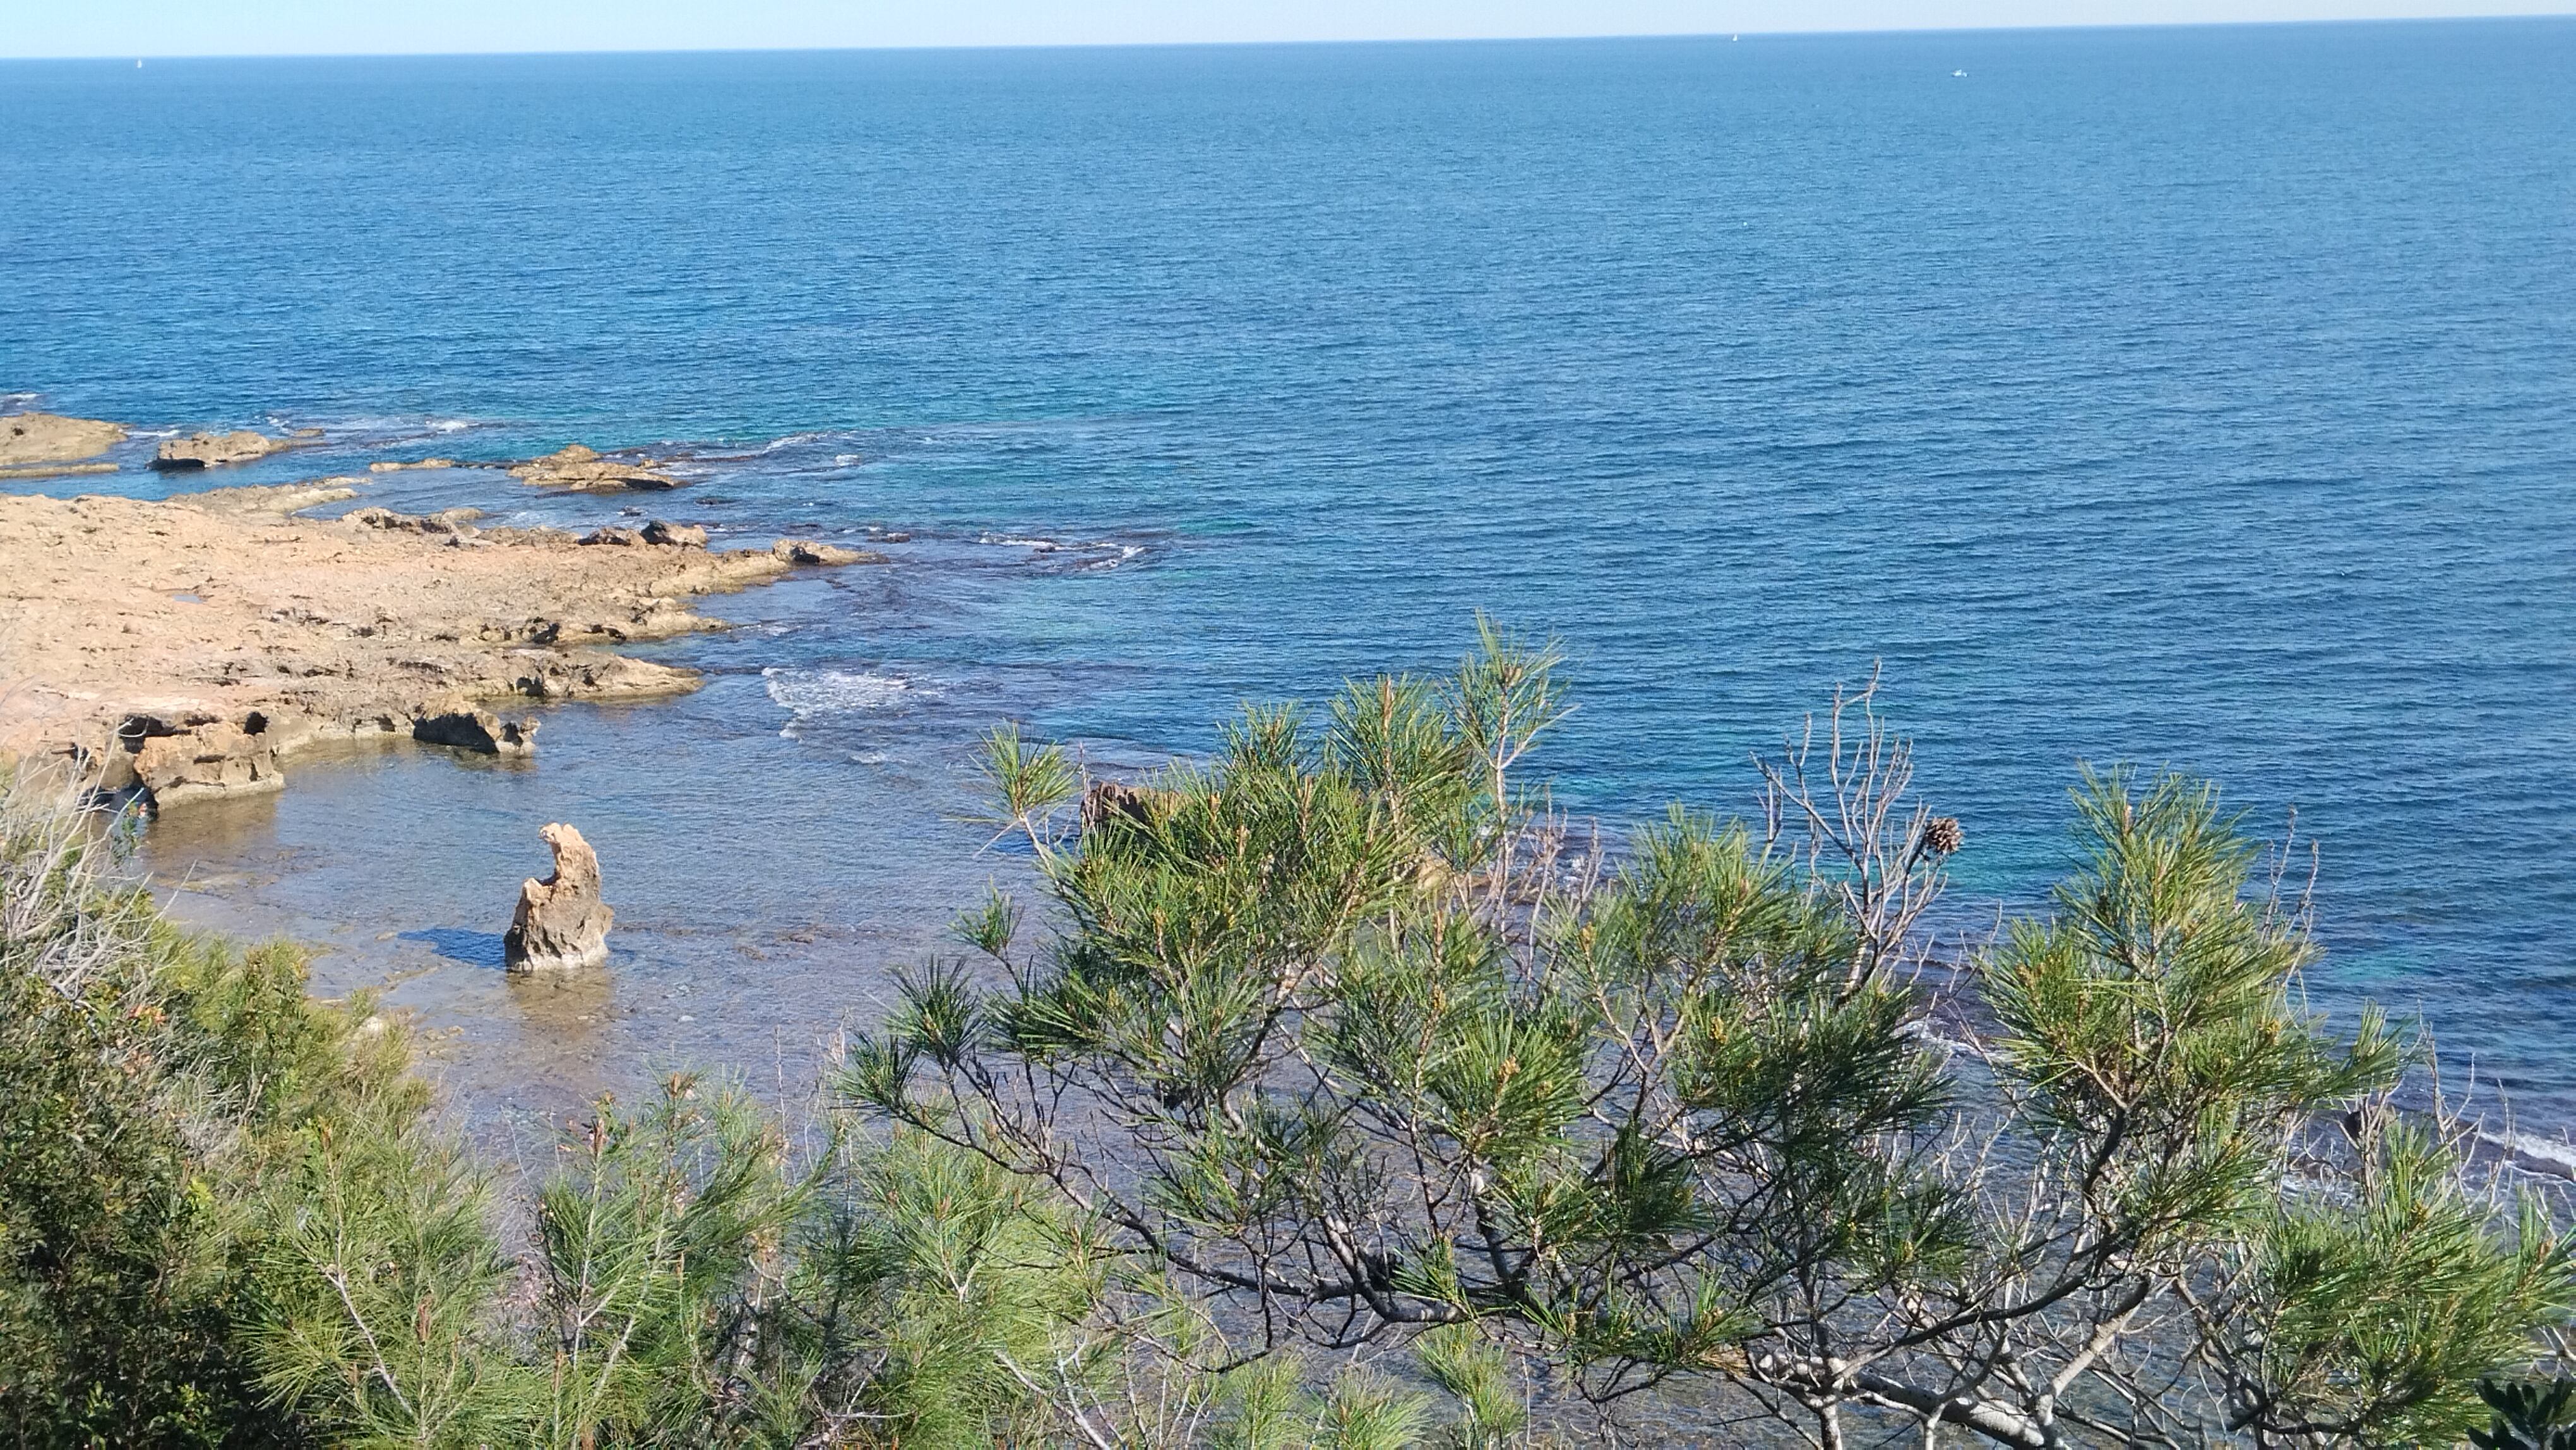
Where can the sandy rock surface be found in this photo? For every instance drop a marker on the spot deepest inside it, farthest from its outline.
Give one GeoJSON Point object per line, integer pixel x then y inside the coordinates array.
{"type": "Point", "coordinates": [52, 438]}
{"type": "Point", "coordinates": [578, 467]}
{"type": "Point", "coordinates": [31, 443]}
{"type": "Point", "coordinates": [214, 450]}
{"type": "Point", "coordinates": [188, 646]}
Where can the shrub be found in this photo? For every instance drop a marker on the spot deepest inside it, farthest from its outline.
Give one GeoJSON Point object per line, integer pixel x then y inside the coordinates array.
{"type": "Point", "coordinates": [1347, 1027]}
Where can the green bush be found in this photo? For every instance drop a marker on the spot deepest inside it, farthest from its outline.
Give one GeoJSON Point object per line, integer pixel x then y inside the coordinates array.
{"type": "Point", "coordinates": [1348, 1097]}
{"type": "Point", "coordinates": [153, 1087]}
{"type": "Point", "coordinates": [1349, 1028]}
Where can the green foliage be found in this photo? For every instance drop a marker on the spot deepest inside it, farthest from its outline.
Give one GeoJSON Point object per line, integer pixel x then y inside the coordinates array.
{"type": "Point", "coordinates": [155, 1094]}
{"type": "Point", "coordinates": [1344, 1026]}
{"type": "Point", "coordinates": [2153, 1020]}
{"type": "Point", "coordinates": [227, 1217]}
{"type": "Point", "coordinates": [2529, 1415]}
{"type": "Point", "coordinates": [1492, 1409]}
{"type": "Point", "coordinates": [1336, 1045]}
{"type": "Point", "coordinates": [2372, 1316]}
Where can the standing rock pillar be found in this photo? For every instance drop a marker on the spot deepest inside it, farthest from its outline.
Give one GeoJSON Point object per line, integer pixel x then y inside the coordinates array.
{"type": "Point", "coordinates": [561, 922]}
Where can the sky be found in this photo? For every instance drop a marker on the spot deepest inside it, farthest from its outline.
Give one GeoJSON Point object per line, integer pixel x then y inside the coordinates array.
{"type": "Point", "coordinates": [120, 28]}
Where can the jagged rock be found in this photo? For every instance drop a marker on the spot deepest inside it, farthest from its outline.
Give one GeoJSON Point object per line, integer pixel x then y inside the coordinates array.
{"type": "Point", "coordinates": [1111, 801]}
{"type": "Point", "coordinates": [388, 465]}
{"type": "Point", "coordinates": [578, 467]}
{"type": "Point", "coordinates": [29, 438]}
{"type": "Point", "coordinates": [476, 730]}
{"type": "Point", "coordinates": [213, 450]}
{"type": "Point", "coordinates": [176, 761]}
{"type": "Point", "coordinates": [807, 551]}
{"type": "Point", "coordinates": [612, 534]}
{"type": "Point", "coordinates": [560, 922]}
{"type": "Point", "coordinates": [681, 536]}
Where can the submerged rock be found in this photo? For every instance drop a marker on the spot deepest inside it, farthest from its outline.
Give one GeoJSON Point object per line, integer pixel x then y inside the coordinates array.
{"type": "Point", "coordinates": [30, 438]}
{"type": "Point", "coordinates": [214, 450]}
{"type": "Point", "coordinates": [560, 923]}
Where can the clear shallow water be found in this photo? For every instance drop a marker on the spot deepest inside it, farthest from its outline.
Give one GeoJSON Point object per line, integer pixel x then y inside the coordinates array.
{"type": "Point", "coordinates": [2199, 396]}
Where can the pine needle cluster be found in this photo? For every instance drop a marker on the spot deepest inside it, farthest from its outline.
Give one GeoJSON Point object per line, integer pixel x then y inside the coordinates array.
{"type": "Point", "coordinates": [1349, 1029]}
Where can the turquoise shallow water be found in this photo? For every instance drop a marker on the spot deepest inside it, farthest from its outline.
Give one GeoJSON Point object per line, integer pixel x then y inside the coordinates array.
{"type": "Point", "coordinates": [2198, 396]}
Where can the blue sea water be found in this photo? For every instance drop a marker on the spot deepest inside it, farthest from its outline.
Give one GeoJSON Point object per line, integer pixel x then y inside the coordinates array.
{"type": "Point", "coordinates": [2202, 397]}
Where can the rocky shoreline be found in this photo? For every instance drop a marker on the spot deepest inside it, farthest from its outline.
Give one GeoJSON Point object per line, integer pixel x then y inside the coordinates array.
{"type": "Point", "coordinates": [183, 649]}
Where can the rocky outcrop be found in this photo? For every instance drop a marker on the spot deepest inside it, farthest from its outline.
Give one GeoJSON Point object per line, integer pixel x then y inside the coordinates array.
{"type": "Point", "coordinates": [560, 923]}
{"type": "Point", "coordinates": [578, 467]}
{"type": "Point", "coordinates": [166, 760]}
{"type": "Point", "coordinates": [208, 610]}
{"type": "Point", "coordinates": [445, 521]}
{"type": "Point", "coordinates": [807, 551]}
{"type": "Point", "coordinates": [28, 439]}
{"type": "Point", "coordinates": [657, 533]}
{"type": "Point", "coordinates": [270, 498]}
{"type": "Point", "coordinates": [477, 730]}
{"type": "Point", "coordinates": [388, 465]}
{"type": "Point", "coordinates": [215, 450]}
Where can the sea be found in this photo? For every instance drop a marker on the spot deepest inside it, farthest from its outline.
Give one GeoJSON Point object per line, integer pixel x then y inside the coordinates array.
{"type": "Point", "coordinates": [2190, 398]}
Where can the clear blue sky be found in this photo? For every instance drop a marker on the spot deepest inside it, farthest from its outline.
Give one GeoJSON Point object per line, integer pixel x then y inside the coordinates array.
{"type": "Point", "coordinates": [274, 27]}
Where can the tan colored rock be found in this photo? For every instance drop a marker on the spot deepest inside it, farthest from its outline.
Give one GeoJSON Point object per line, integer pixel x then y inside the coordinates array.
{"type": "Point", "coordinates": [560, 924]}
{"type": "Point", "coordinates": [194, 758]}
{"type": "Point", "coordinates": [214, 450]}
{"type": "Point", "coordinates": [388, 465]}
{"type": "Point", "coordinates": [807, 551]}
{"type": "Point", "coordinates": [33, 438]}
{"type": "Point", "coordinates": [613, 534]}
{"type": "Point", "coordinates": [445, 521]}
{"type": "Point", "coordinates": [578, 467]}
{"type": "Point", "coordinates": [271, 498]}
{"type": "Point", "coordinates": [678, 536]}
{"type": "Point", "coordinates": [212, 608]}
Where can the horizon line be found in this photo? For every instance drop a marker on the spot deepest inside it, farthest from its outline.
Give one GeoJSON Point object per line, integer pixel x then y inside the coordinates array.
{"type": "Point", "coordinates": [1814, 32]}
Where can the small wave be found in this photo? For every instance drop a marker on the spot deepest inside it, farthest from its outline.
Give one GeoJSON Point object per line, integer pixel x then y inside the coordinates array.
{"type": "Point", "coordinates": [808, 695]}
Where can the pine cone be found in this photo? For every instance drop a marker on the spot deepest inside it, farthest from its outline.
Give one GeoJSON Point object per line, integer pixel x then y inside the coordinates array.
{"type": "Point", "coordinates": [1942, 835]}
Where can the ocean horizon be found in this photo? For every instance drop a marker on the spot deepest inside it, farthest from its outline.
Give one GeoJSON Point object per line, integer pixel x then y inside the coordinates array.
{"type": "Point", "coordinates": [2198, 398]}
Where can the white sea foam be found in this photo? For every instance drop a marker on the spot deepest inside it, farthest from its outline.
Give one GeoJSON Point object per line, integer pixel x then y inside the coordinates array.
{"type": "Point", "coordinates": [810, 695]}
